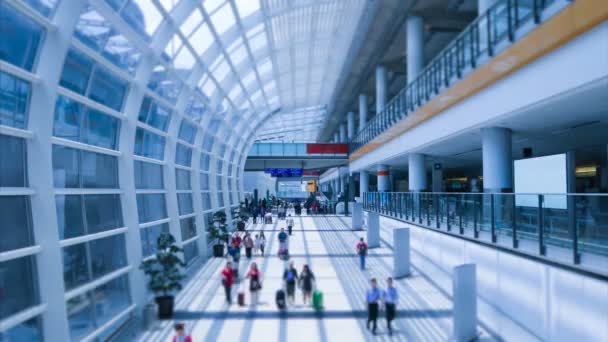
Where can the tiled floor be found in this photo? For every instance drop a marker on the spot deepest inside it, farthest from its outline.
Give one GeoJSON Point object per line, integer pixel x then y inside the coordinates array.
{"type": "Point", "coordinates": [328, 246]}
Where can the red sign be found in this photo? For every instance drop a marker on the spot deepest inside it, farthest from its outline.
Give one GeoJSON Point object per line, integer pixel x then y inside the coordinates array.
{"type": "Point", "coordinates": [327, 148]}
{"type": "Point", "coordinates": [311, 173]}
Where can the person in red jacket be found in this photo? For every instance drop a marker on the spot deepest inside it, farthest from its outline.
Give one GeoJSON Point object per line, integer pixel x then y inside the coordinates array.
{"type": "Point", "coordinates": [228, 281]}
{"type": "Point", "coordinates": [362, 251]}
{"type": "Point", "coordinates": [180, 334]}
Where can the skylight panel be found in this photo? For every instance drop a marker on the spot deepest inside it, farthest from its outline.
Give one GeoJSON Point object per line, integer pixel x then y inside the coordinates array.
{"type": "Point", "coordinates": [221, 71]}
{"type": "Point", "coordinates": [223, 19]}
{"type": "Point", "coordinates": [249, 79]}
{"type": "Point", "coordinates": [247, 7]}
{"type": "Point", "coordinates": [142, 15]}
{"type": "Point", "coordinates": [265, 67]}
{"type": "Point", "coordinates": [209, 88]}
{"type": "Point", "coordinates": [202, 39]}
{"type": "Point", "coordinates": [235, 93]}
{"type": "Point", "coordinates": [184, 59]}
{"type": "Point", "coordinates": [173, 46]}
{"type": "Point", "coordinates": [167, 4]}
{"type": "Point", "coordinates": [258, 42]}
{"type": "Point", "coordinates": [191, 23]}
{"type": "Point", "coordinates": [239, 55]}
{"type": "Point", "coordinates": [212, 5]}
{"type": "Point", "coordinates": [255, 30]}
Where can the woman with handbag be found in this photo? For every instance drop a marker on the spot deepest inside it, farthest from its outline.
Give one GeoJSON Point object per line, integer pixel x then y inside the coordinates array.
{"type": "Point", "coordinates": [255, 282]}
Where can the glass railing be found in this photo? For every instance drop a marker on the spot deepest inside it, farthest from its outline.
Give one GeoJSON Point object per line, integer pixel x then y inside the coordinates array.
{"type": "Point", "coordinates": [569, 228]}
{"type": "Point", "coordinates": [487, 35]}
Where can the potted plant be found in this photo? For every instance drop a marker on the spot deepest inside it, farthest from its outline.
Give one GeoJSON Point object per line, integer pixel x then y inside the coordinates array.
{"type": "Point", "coordinates": [243, 215]}
{"type": "Point", "coordinates": [165, 274]}
{"type": "Point", "coordinates": [218, 231]}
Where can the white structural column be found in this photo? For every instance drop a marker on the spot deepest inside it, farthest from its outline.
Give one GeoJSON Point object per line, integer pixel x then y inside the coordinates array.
{"type": "Point", "coordinates": [401, 252]}
{"type": "Point", "coordinates": [350, 125]}
{"type": "Point", "coordinates": [342, 133]}
{"type": "Point", "coordinates": [416, 172]}
{"type": "Point", "coordinates": [383, 178]}
{"type": "Point", "coordinates": [381, 88]}
{"type": "Point", "coordinates": [464, 294]}
{"type": "Point", "coordinates": [362, 111]}
{"type": "Point", "coordinates": [373, 229]}
{"type": "Point", "coordinates": [363, 182]}
{"type": "Point", "coordinates": [497, 161]}
{"type": "Point", "coordinates": [357, 216]}
{"type": "Point", "coordinates": [40, 171]}
{"type": "Point", "coordinates": [169, 178]}
{"type": "Point", "coordinates": [336, 138]}
{"type": "Point", "coordinates": [415, 47]}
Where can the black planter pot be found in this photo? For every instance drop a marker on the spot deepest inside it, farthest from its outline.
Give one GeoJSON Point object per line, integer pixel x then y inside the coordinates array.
{"type": "Point", "coordinates": [165, 306]}
{"type": "Point", "coordinates": [241, 226]}
{"type": "Point", "coordinates": [218, 251]}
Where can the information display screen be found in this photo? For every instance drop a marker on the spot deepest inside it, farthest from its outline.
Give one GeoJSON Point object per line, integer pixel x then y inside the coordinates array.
{"type": "Point", "coordinates": [284, 172]}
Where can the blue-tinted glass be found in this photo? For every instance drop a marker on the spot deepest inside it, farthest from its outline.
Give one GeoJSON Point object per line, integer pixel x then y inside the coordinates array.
{"type": "Point", "coordinates": [204, 163]}
{"type": "Point", "coordinates": [14, 96]}
{"type": "Point", "coordinates": [219, 166]}
{"type": "Point", "coordinates": [103, 212]}
{"type": "Point", "coordinates": [149, 237]}
{"type": "Point", "coordinates": [220, 199]}
{"type": "Point", "coordinates": [107, 89]}
{"type": "Point", "coordinates": [74, 168]}
{"type": "Point", "coordinates": [219, 183]}
{"type": "Point", "coordinates": [184, 202]}
{"type": "Point", "coordinates": [148, 175]}
{"type": "Point", "coordinates": [18, 279]}
{"type": "Point", "coordinates": [182, 179]}
{"type": "Point", "coordinates": [70, 216]}
{"type": "Point", "coordinates": [27, 331]}
{"type": "Point", "coordinates": [187, 132]}
{"type": "Point", "coordinates": [195, 109]}
{"type": "Point", "coordinates": [183, 155]}
{"type": "Point", "coordinates": [206, 197]}
{"type": "Point", "coordinates": [188, 228]}
{"type": "Point", "coordinates": [116, 4]}
{"type": "Point", "coordinates": [12, 174]}
{"type": "Point", "coordinates": [107, 255]}
{"type": "Point", "coordinates": [148, 144]}
{"type": "Point", "coordinates": [80, 316]}
{"type": "Point", "coordinates": [204, 181]}
{"type": "Point", "coordinates": [15, 223]}
{"type": "Point", "coordinates": [154, 114]}
{"type": "Point", "coordinates": [21, 37]}
{"type": "Point", "coordinates": [151, 207]}
{"type": "Point", "coordinates": [75, 266]}
{"type": "Point", "coordinates": [208, 143]}
{"type": "Point", "coordinates": [76, 122]}
{"type": "Point", "coordinates": [44, 7]}
{"type": "Point", "coordinates": [190, 252]}
{"type": "Point", "coordinates": [165, 85]}
{"type": "Point", "coordinates": [111, 299]}
{"type": "Point", "coordinates": [76, 72]}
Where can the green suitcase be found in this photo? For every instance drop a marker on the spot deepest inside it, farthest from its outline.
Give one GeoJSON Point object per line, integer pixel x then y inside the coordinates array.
{"type": "Point", "coordinates": [317, 300]}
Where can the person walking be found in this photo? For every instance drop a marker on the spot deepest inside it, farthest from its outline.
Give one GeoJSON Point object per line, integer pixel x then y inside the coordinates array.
{"type": "Point", "coordinates": [290, 224]}
{"type": "Point", "coordinates": [290, 276]}
{"type": "Point", "coordinates": [255, 282]}
{"type": "Point", "coordinates": [362, 251]}
{"type": "Point", "coordinates": [228, 281]}
{"type": "Point", "coordinates": [248, 242]}
{"type": "Point", "coordinates": [307, 279]}
{"type": "Point", "coordinates": [283, 239]}
{"type": "Point", "coordinates": [180, 334]}
{"type": "Point", "coordinates": [262, 242]}
{"type": "Point", "coordinates": [390, 299]}
{"type": "Point", "coordinates": [373, 297]}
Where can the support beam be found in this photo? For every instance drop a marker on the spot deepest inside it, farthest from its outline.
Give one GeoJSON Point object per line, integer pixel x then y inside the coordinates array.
{"type": "Point", "coordinates": [362, 111]}
{"type": "Point", "coordinates": [381, 88]}
{"type": "Point", "coordinates": [401, 252]}
{"type": "Point", "coordinates": [383, 178]}
{"type": "Point", "coordinates": [415, 47]}
{"type": "Point", "coordinates": [497, 161]}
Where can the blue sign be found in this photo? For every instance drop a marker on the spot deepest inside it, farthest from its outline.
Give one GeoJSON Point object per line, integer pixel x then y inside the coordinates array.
{"type": "Point", "coordinates": [284, 172]}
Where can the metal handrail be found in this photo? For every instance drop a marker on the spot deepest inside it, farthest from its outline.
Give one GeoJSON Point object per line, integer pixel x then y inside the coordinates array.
{"type": "Point", "coordinates": [450, 62]}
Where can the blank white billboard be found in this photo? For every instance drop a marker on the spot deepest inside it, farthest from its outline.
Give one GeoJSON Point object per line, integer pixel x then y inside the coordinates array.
{"type": "Point", "coordinates": [541, 175]}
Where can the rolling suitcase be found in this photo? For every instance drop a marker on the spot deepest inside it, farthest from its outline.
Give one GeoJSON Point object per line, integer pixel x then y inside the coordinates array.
{"type": "Point", "coordinates": [317, 300]}
{"type": "Point", "coordinates": [280, 299]}
{"type": "Point", "coordinates": [241, 298]}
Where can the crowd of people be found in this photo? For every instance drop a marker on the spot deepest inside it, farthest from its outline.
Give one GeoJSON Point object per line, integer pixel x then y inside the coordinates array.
{"type": "Point", "coordinates": [304, 280]}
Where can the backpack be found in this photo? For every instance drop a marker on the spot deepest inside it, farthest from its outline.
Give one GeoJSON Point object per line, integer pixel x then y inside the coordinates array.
{"type": "Point", "coordinates": [290, 276]}
{"type": "Point", "coordinates": [362, 249]}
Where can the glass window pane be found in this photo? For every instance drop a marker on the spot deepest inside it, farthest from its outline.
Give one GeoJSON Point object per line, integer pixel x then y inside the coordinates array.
{"type": "Point", "coordinates": [149, 237]}
{"type": "Point", "coordinates": [80, 316]}
{"type": "Point", "coordinates": [205, 161]}
{"type": "Point", "coordinates": [183, 155]}
{"type": "Point", "coordinates": [76, 72]}
{"type": "Point", "coordinates": [18, 279]}
{"type": "Point", "coordinates": [21, 37]}
{"type": "Point", "coordinates": [188, 228]}
{"type": "Point", "coordinates": [107, 255]}
{"type": "Point", "coordinates": [70, 216]}
{"type": "Point", "coordinates": [142, 15]}
{"type": "Point", "coordinates": [15, 223]}
{"type": "Point", "coordinates": [204, 181]}
{"type": "Point", "coordinates": [103, 212]}
{"type": "Point", "coordinates": [99, 170]}
{"type": "Point", "coordinates": [148, 175]}
{"type": "Point", "coordinates": [151, 207]}
{"type": "Point", "coordinates": [66, 173]}
{"type": "Point", "coordinates": [111, 299]}
{"type": "Point", "coordinates": [75, 266]}
{"type": "Point", "coordinates": [13, 174]}
{"type": "Point", "coordinates": [14, 97]}
{"type": "Point", "coordinates": [223, 19]}
{"type": "Point", "coordinates": [206, 197]}
{"type": "Point", "coordinates": [187, 132]}
{"type": "Point", "coordinates": [182, 179]}
{"type": "Point", "coordinates": [190, 252]}
{"type": "Point", "coordinates": [107, 89]}
{"type": "Point", "coordinates": [148, 144]}
{"type": "Point", "coordinates": [29, 330]}
{"type": "Point", "coordinates": [154, 114]}
{"type": "Point", "coordinates": [184, 202]}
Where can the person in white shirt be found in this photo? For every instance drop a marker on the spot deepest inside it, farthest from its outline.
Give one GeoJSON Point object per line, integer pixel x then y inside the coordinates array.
{"type": "Point", "coordinates": [290, 224]}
